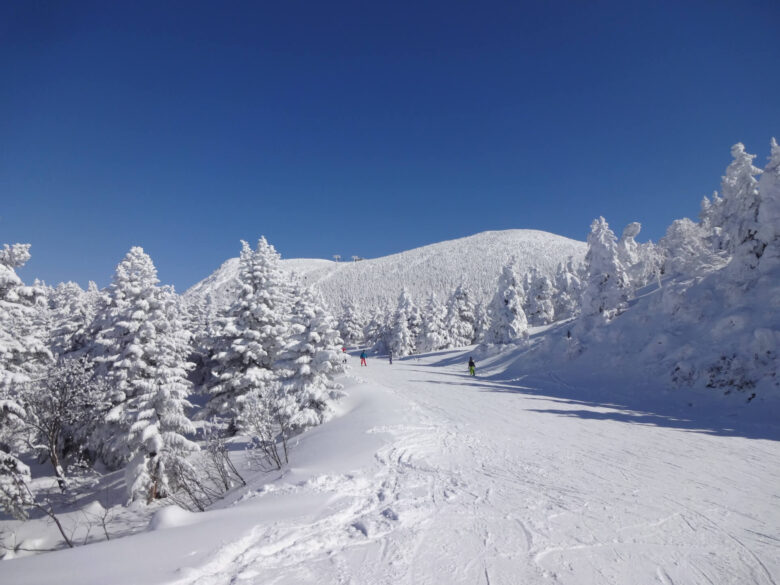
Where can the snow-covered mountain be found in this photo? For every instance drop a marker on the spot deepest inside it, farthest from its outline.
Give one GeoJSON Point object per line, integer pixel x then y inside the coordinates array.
{"type": "Point", "coordinates": [473, 261]}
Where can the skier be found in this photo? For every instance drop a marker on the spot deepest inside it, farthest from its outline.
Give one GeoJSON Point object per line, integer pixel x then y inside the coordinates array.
{"type": "Point", "coordinates": [344, 354]}
{"type": "Point", "coordinates": [391, 357]}
{"type": "Point", "coordinates": [363, 358]}
{"type": "Point", "coordinates": [472, 366]}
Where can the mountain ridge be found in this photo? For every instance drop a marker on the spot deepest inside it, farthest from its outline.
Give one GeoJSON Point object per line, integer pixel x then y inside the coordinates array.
{"type": "Point", "coordinates": [474, 261]}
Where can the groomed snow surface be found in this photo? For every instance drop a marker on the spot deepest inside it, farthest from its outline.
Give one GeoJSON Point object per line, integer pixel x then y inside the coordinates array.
{"type": "Point", "coordinates": [430, 476]}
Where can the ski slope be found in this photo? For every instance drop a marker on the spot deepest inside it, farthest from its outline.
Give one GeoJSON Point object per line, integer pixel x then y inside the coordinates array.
{"type": "Point", "coordinates": [428, 476]}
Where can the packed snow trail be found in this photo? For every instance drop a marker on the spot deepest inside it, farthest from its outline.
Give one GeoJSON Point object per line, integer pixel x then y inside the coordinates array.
{"type": "Point", "coordinates": [479, 484]}
{"type": "Point", "coordinates": [431, 476]}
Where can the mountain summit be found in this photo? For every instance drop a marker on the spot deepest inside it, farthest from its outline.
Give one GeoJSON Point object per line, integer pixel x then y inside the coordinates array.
{"type": "Point", "coordinates": [474, 261]}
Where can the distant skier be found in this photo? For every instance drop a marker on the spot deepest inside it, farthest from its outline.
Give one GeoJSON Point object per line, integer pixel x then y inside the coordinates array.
{"type": "Point", "coordinates": [391, 357]}
{"type": "Point", "coordinates": [363, 358]}
{"type": "Point", "coordinates": [472, 366]}
{"type": "Point", "coordinates": [344, 354]}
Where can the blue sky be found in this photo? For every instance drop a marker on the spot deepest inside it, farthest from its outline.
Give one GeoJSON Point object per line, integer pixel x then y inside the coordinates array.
{"type": "Point", "coordinates": [364, 128]}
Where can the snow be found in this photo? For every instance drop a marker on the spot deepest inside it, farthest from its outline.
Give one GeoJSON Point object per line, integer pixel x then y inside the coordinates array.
{"type": "Point", "coordinates": [521, 475]}
{"type": "Point", "coordinates": [474, 261]}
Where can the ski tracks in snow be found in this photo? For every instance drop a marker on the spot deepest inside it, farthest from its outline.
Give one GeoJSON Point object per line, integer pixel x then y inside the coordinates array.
{"type": "Point", "coordinates": [480, 485]}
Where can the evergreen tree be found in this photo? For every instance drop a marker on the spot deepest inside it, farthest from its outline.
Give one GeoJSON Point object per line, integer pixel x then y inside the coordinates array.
{"type": "Point", "coordinates": [351, 325]}
{"type": "Point", "coordinates": [461, 319]}
{"type": "Point", "coordinates": [372, 332]}
{"type": "Point", "coordinates": [711, 218]}
{"type": "Point", "coordinates": [23, 354]}
{"type": "Point", "coordinates": [403, 335]}
{"type": "Point", "coordinates": [250, 337]}
{"type": "Point", "coordinates": [687, 250]}
{"type": "Point", "coordinates": [141, 350]}
{"type": "Point", "coordinates": [539, 299]}
{"type": "Point", "coordinates": [769, 213]}
{"type": "Point", "coordinates": [433, 335]}
{"type": "Point", "coordinates": [741, 203]}
{"type": "Point", "coordinates": [310, 361]}
{"type": "Point", "coordinates": [481, 323]}
{"type": "Point", "coordinates": [641, 261]}
{"type": "Point", "coordinates": [157, 436]}
{"type": "Point", "coordinates": [72, 311]}
{"type": "Point", "coordinates": [15, 495]}
{"type": "Point", "coordinates": [568, 287]}
{"type": "Point", "coordinates": [606, 286]}
{"type": "Point", "coordinates": [507, 318]}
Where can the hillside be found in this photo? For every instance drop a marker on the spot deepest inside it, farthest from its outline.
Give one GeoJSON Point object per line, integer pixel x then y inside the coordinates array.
{"type": "Point", "coordinates": [474, 261]}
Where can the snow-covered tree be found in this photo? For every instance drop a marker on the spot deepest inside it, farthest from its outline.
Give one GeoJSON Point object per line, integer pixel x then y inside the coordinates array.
{"type": "Point", "coordinates": [507, 318]}
{"type": "Point", "coordinates": [741, 201]}
{"type": "Point", "coordinates": [72, 310]}
{"type": "Point", "coordinates": [253, 332]}
{"type": "Point", "coordinates": [310, 361]}
{"type": "Point", "coordinates": [15, 496]}
{"type": "Point", "coordinates": [481, 322]}
{"type": "Point", "coordinates": [377, 329]}
{"type": "Point", "coordinates": [157, 437]}
{"type": "Point", "coordinates": [568, 287]}
{"type": "Point", "coordinates": [433, 335]}
{"type": "Point", "coordinates": [740, 197]}
{"type": "Point", "coordinates": [606, 286]}
{"type": "Point", "coordinates": [405, 327]}
{"type": "Point", "coordinates": [461, 318]}
{"type": "Point", "coordinates": [769, 213]}
{"type": "Point", "coordinates": [23, 353]}
{"type": "Point", "coordinates": [63, 409]}
{"type": "Point", "coordinates": [686, 249]}
{"type": "Point", "coordinates": [539, 299]}
{"type": "Point", "coordinates": [641, 261]}
{"type": "Point", "coordinates": [141, 350]}
{"type": "Point", "coordinates": [352, 325]}
{"type": "Point", "coordinates": [23, 356]}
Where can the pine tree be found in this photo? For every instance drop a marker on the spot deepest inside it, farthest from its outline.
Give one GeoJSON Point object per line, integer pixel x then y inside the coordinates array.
{"type": "Point", "coordinates": [251, 335]}
{"type": "Point", "coordinates": [539, 299]}
{"type": "Point", "coordinates": [507, 318]}
{"type": "Point", "coordinates": [568, 287]}
{"type": "Point", "coordinates": [606, 287]}
{"type": "Point", "coordinates": [642, 262]}
{"type": "Point", "coordinates": [379, 329]}
{"type": "Point", "coordinates": [23, 356]}
{"type": "Point", "coordinates": [740, 197]}
{"type": "Point", "coordinates": [461, 319]}
{"type": "Point", "coordinates": [481, 323]}
{"type": "Point", "coordinates": [15, 495]}
{"type": "Point", "coordinates": [769, 213]}
{"type": "Point", "coordinates": [351, 325]}
{"type": "Point", "coordinates": [711, 221]}
{"type": "Point", "coordinates": [141, 350]}
{"type": "Point", "coordinates": [433, 335]}
{"type": "Point", "coordinates": [72, 312]}
{"type": "Point", "coordinates": [157, 436]}
{"type": "Point", "coordinates": [403, 335]}
{"type": "Point", "coordinates": [310, 361]}
{"type": "Point", "coordinates": [686, 249]}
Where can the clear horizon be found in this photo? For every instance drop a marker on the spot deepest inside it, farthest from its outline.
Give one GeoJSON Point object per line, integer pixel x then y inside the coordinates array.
{"type": "Point", "coordinates": [367, 130]}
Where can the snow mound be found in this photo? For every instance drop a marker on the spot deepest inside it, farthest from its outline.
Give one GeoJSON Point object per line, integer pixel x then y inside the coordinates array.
{"type": "Point", "coordinates": [171, 517]}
